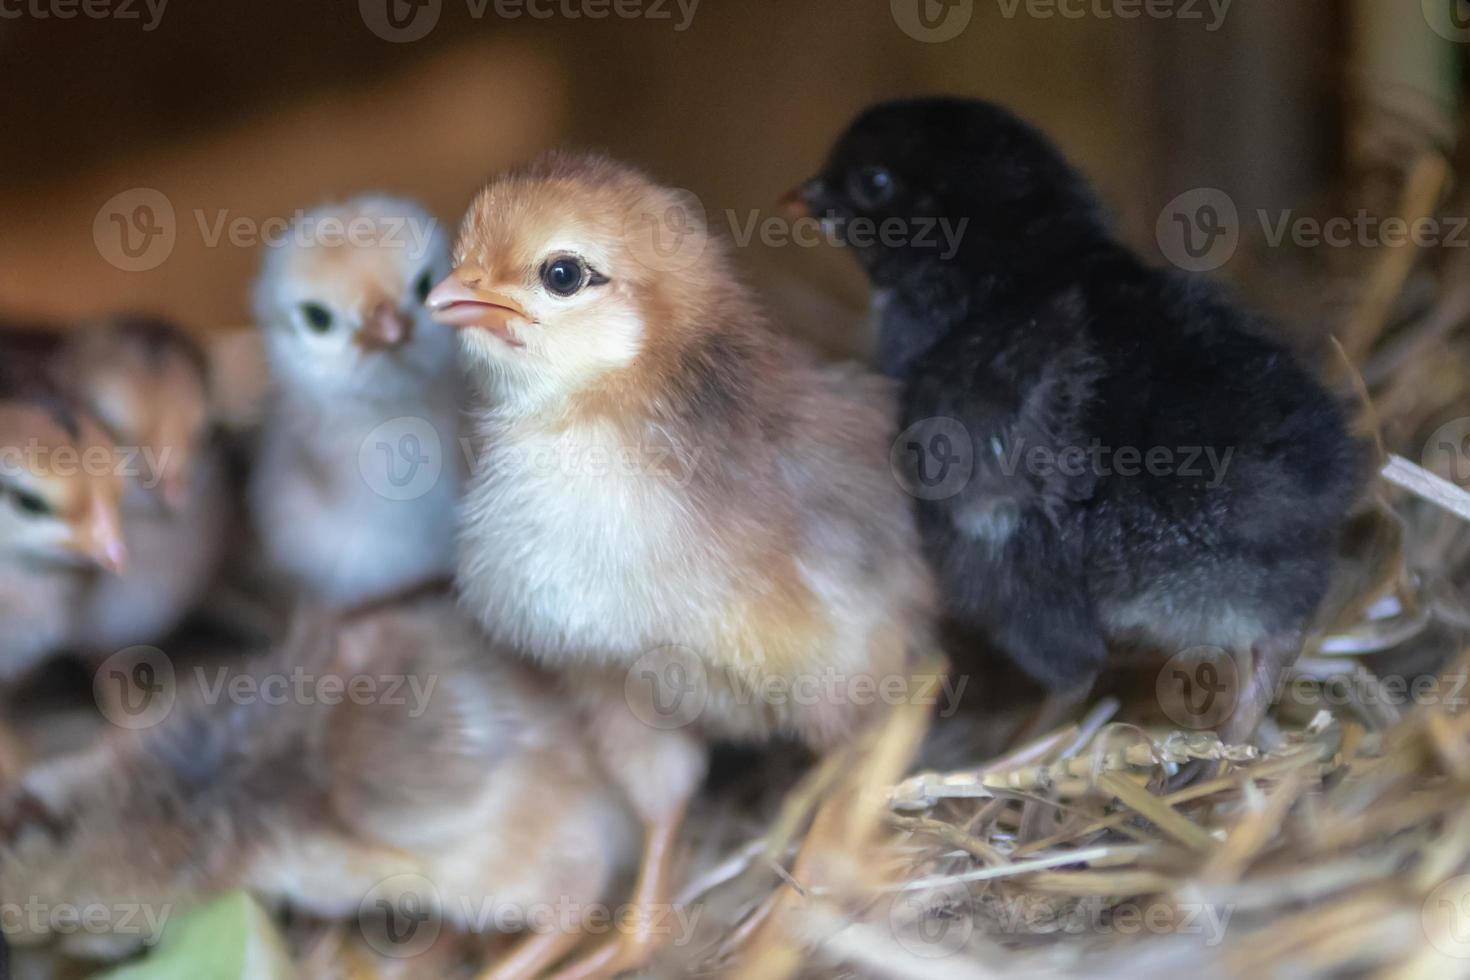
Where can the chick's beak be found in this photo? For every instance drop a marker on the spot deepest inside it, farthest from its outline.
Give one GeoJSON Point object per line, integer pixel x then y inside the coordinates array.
{"type": "Point", "coordinates": [386, 327]}
{"type": "Point", "coordinates": [98, 537]}
{"type": "Point", "coordinates": [803, 201]}
{"type": "Point", "coordinates": [461, 301]}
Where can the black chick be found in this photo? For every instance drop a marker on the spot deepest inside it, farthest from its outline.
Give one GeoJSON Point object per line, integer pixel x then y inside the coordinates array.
{"type": "Point", "coordinates": [1008, 305]}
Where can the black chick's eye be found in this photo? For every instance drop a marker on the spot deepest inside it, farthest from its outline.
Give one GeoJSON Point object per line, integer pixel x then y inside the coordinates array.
{"type": "Point", "coordinates": [423, 286]}
{"type": "Point", "coordinates": [317, 317]}
{"type": "Point", "coordinates": [871, 187]}
{"type": "Point", "coordinates": [564, 276]}
{"type": "Point", "coordinates": [30, 504]}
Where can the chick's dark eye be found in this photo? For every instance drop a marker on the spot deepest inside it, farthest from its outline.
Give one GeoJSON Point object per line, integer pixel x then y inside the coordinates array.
{"type": "Point", "coordinates": [30, 504]}
{"type": "Point", "coordinates": [564, 276]}
{"type": "Point", "coordinates": [871, 187]}
{"type": "Point", "coordinates": [424, 286]}
{"type": "Point", "coordinates": [317, 317]}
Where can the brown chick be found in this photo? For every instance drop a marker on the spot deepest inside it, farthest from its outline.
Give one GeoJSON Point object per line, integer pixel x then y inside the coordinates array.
{"type": "Point", "coordinates": [147, 382]}
{"type": "Point", "coordinates": [673, 506]}
{"type": "Point", "coordinates": [60, 523]}
{"type": "Point", "coordinates": [452, 785]}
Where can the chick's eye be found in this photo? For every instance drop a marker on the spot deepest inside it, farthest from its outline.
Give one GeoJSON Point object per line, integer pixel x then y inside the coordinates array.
{"type": "Point", "coordinates": [871, 187]}
{"type": "Point", "coordinates": [564, 276]}
{"type": "Point", "coordinates": [30, 504]}
{"type": "Point", "coordinates": [318, 318]}
{"type": "Point", "coordinates": [423, 286]}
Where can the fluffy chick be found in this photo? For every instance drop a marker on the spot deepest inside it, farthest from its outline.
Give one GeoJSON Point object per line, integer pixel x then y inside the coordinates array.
{"type": "Point", "coordinates": [453, 764]}
{"type": "Point", "coordinates": [147, 383]}
{"type": "Point", "coordinates": [60, 522]}
{"type": "Point", "coordinates": [364, 385]}
{"type": "Point", "coordinates": [666, 487]}
{"type": "Point", "coordinates": [1041, 333]}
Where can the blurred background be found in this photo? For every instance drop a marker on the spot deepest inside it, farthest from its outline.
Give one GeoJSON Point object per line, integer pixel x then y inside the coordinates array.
{"type": "Point", "coordinates": [146, 141]}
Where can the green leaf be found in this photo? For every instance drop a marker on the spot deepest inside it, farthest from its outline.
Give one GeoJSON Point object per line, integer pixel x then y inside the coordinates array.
{"type": "Point", "coordinates": [230, 938]}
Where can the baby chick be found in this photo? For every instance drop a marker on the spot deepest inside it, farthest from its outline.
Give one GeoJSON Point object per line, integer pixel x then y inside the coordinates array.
{"type": "Point", "coordinates": [665, 487]}
{"type": "Point", "coordinates": [60, 526]}
{"type": "Point", "coordinates": [147, 382]}
{"type": "Point", "coordinates": [360, 467]}
{"type": "Point", "coordinates": [389, 756]}
{"type": "Point", "coordinates": [1150, 468]}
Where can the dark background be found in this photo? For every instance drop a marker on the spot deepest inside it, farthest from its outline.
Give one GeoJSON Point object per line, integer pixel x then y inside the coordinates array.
{"type": "Point", "coordinates": [254, 109]}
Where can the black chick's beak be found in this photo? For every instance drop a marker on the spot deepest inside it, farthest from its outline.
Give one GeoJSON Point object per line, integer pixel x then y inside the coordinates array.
{"type": "Point", "coordinates": [805, 201]}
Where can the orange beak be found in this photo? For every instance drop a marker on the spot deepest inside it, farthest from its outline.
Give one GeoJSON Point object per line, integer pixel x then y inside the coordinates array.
{"type": "Point", "coordinates": [386, 327]}
{"type": "Point", "coordinates": [797, 202]}
{"type": "Point", "coordinates": [98, 537]}
{"type": "Point", "coordinates": [460, 301]}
